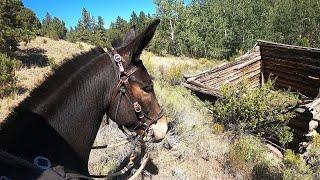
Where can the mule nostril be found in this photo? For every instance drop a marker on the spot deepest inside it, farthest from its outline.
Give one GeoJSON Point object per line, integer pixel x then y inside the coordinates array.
{"type": "Point", "coordinates": [147, 112]}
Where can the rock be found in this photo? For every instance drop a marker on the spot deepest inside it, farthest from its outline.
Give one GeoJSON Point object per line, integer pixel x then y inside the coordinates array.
{"type": "Point", "coordinates": [274, 151]}
{"type": "Point", "coordinates": [311, 134]}
{"type": "Point", "coordinates": [313, 125]}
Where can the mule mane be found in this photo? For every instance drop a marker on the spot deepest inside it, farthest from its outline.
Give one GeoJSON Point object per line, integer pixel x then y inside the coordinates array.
{"type": "Point", "coordinates": [53, 82]}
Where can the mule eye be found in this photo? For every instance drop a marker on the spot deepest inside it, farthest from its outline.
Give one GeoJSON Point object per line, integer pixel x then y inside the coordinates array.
{"type": "Point", "coordinates": [148, 89]}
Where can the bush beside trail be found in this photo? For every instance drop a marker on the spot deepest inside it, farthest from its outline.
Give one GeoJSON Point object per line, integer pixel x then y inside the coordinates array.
{"type": "Point", "coordinates": [7, 75]}
{"type": "Point", "coordinates": [262, 111]}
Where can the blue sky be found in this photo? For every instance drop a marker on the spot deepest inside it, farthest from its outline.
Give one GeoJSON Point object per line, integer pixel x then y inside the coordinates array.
{"type": "Point", "coordinates": [70, 10]}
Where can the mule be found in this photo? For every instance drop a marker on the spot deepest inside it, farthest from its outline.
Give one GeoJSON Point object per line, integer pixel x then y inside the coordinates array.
{"type": "Point", "coordinates": [61, 117]}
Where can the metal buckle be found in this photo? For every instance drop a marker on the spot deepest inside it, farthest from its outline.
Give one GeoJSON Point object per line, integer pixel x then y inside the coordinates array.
{"type": "Point", "coordinates": [137, 107]}
{"type": "Point", "coordinates": [117, 57]}
{"type": "Point", "coordinates": [121, 68]}
{"type": "Point", "coordinates": [42, 162]}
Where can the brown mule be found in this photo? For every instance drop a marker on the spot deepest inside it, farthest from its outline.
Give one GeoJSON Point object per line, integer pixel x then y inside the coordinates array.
{"type": "Point", "coordinates": [58, 122]}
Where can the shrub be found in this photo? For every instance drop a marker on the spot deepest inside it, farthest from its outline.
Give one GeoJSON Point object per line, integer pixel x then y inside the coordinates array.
{"type": "Point", "coordinates": [217, 128]}
{"type": "Point", "coordinates": [52, 63]}
{"type": "Point", "coordinates": [263, 170]}
{"type": "Point", "coordinates": [174, 75]}
{"type": "Point", "coordinates": [249, 158]}
{"type": "Point", "coordinates": [244, 154]}
{"type": "Point", "coordinates": [313, 158]}
{"type": "Point", "coordinates": [261, 111]}
{"type": "Point", "coordinates": [80, 46]}
{"type": "Point", "coordinates": [7, 75]}
{"type": "Point", "coordinates": [295, 167]}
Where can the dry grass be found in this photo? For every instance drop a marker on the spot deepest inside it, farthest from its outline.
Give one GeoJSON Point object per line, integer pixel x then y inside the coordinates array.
{"type": "Point", "coordinates": [57, 49]}
{"type": "Point", "coordinates": [161, 65]}
{"type": "Point", "coordinates": [30, 77]}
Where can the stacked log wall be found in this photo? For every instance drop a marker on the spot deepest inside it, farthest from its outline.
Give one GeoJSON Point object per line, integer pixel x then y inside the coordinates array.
{"type": "Point", "coordinates": [295, 67]}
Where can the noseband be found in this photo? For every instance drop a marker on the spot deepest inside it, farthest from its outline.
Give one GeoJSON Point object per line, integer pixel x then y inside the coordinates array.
{"type": "Point", "coordinates": [123, 88]}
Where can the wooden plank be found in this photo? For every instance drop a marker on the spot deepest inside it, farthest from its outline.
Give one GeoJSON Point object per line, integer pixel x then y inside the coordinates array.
{"type": "Point", "coordinates": [218, 74]}
{"type": "Point", "coordinates": [247, 63]}
{"type": "Point", "coordinates": [236, 78]}
{"type": "Point", "coordinates": [222, 75]}
{"type": "Point", "coordinates": [286, 46]}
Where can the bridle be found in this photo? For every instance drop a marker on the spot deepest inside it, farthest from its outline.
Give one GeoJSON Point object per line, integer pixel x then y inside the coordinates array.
{"type": "Point", "coordinates": [123, 88]}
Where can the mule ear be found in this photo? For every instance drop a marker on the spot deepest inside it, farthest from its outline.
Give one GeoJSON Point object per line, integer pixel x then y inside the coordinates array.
{"type": "Point", "coordinates": [116, 43]}
{"type": "Point", "coordinates": [143, 39]}
{"type": "Point", "coordinates": [131, 34]}
{"type": "Point", "coordinates": [133, 50]}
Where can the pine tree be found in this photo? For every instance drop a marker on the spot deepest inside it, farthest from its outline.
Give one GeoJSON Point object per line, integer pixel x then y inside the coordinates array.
{"type": "Point", "coordinates": [134, 20]}
{"type": "Point", "coordinates": [53, 27]}
{"type": "Point", "coordinates": [86, 22]}
{"type": "Point", "coordinates": [17, 24]}
{"type": "Point", "coordinates": [100, 24]}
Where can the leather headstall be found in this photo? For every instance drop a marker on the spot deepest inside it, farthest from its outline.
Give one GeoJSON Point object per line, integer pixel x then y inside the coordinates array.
{"type": "Point", "coordinates": [124, 89]}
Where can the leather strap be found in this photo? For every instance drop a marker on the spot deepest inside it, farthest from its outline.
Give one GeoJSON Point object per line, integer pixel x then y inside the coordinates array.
{"type": "Point", "coordinates": [123, 88]}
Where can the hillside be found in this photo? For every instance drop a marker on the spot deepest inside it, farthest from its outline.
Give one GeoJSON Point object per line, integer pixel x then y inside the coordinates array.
{"type": "Point", "coordinates": [35, 57]}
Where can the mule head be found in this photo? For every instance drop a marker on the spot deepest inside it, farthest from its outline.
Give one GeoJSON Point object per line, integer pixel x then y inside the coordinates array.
{"type": "Point", "coordinates": [141, 84]}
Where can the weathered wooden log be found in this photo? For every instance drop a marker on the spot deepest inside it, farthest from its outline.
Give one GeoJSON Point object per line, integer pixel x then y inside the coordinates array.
{"type": "Point", "coordinates": [308, 83]}
{"type": "Point", "coordinates": [281, 83]}
{"type": "Point", "coordinates": [248, 63]}
{"type": "Point", "coordinates": [286, 46]}
{"type": "Point", "coordinates": [293, 56]}
{"type": "Point", "coordinates": [248, 56]}
{"type": "Point", "coordinates": [211, 91]}
{"type": "Point", "coordinates": [219, 74]}
{"type": "Point", "coordinates": [228, 69]}
{"type": "Point", "coordinates": [314, 108]}
{"type": "Point", "coordinates": [296, 70]}
{"type": "Point", "coordinates": [194, 76]}
{"type": "Point", "coordinates": [224, 66]}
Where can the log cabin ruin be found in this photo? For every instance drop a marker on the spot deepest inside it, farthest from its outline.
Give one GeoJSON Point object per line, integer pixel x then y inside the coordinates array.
{"type": "Point", "coordinates": [296, 69]}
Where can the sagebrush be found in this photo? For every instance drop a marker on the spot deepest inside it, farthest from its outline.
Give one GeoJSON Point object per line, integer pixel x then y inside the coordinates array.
{"type": "Point", "coordinates": [249, 158]}
{"type": "Point", "coordinates": [261, 111]}
{"type": "Point", "coordinates": [7, 75]}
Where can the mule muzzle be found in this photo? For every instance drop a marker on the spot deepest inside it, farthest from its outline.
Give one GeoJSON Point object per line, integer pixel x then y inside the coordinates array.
{"type": "Point", "coordinates": [159, 129]}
